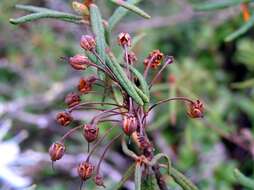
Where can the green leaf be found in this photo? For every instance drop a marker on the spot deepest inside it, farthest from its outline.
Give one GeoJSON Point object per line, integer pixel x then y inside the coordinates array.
{"type": "Point", "coordinates": [98, 30]}
{"type": "Point", "coordinates": [125, 177]}
{"type": "Point", "coordinates": [56, 15]}
{"type": "Point", "coordinates": [131, 7]}
{"type": "Point", "coordinates": [185, 183]}
{"type": "Point", "coordinates": [31, 8]}
{"type": "Point", "coordinates": [138, 176]}
{"type": "Point", "coordinates": [243, 180]}
{"type": "Point", "coordinates": [119, 13]}
{"type": "Point", "coordinates": [149, 183]}
{"type": "Point", "coordinates": [218, 5]}
{"type": "Point", "coordinates": [243, 29]}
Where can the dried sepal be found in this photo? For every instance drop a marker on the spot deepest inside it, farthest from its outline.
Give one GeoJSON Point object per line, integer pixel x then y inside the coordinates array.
{"type": "Point", "coordinates": [124, 39]}
{"type": "Point", "coordinates": [154, 59]}
{"type": "Point", "coordinates": [56, 151]}
{"type": "Point", "coordinates": [85, 84]}
{"type": "Point", "coordinates": [64, 118]}
{"type": "Point", "coordinates": [87, 42]}
{"type": "Point", "coordinates": [131, 56]}
{"type": "Point", "coordinates": [90, 132]}
{"type": "Point", "coordinates": [79, 62]}
{"type": "Point", "coordinates": [85, 170]}
{"type": "Point", "coordinates": [72, 99]}
{"type": "Point", "coordinates": [196, 109]}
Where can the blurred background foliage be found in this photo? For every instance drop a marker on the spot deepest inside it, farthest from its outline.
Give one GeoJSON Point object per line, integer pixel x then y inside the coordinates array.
{"type": "Point", "coordinates": [34, 81]}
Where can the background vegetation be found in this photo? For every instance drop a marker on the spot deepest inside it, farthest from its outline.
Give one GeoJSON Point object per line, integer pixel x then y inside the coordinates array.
{"type": "Point", "coordinates": [34, 81]}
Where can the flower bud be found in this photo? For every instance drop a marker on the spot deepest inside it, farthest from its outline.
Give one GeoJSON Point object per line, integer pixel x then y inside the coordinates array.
{"type": "Point", "coordinates": [87, 42]}
{"type": "Point", "coordinates": [131, 57]}
{"type": "Point", "coordinates": [79, 62]}
{"type": "Point", "coordinates": [64, 118]}
{"type": "Point", "coordinates": [85, 84]}
{"type": "Point", "coordinates": [124, 39]}
{"type": "Point", "coordinates": [85, 170]}
{"type": "Point", "coordinates": [80, 8]}
{"type": "Point", "coordinates": [129, 124]}
{"type": "Point", "coordinates": [154, 59]}
{"type": "Point", "coordinates": [90, 132]}
{"type": "Point", "coordinates": [56, 151]}
{"type": "Point", "coordinates": [196, 109]}
{"type": "Point", "coordinates": [72, 99]}
{"type": "Point", "coordinates": [98, 180]}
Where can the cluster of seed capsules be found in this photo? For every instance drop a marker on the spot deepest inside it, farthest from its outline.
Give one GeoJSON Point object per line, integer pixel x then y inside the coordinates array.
{"type": "Point", "coordinates": [128, 112]}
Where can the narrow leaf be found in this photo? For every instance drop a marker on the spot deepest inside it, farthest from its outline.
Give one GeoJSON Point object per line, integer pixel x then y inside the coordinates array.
{"type": "Point", "coordinates": [244, 28]}
{"type": "Point", "coordinates": [218, 5]}
{"type": "Point", "coordinates": [132, 8]}
{"type": "Point", "coordinates": [119, 13]}
{"type": "Point", "coordinates": [31, 8]}
{"type": "Point", "coordinates": [185, 183]}
{"type": "Point", "coordinates": [98, 30]}
{"type": "Point", "coordinates": [243, 180]}
{"type": "Point", "coordinates": [36, 16]}
{"type": "Point", "coordinates": [159, 156]}
{"type": "Point", "coordinates": [138, 176]}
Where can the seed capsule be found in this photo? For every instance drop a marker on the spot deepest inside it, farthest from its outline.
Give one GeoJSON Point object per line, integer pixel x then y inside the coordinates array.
{"type": "Point", "coordinates": [124, 39]}
{"type": "Point", "coordinates": [85, 170]}
{"type": "Point", "coordinates": [90, 132]}
{"type": "Point", "coordinates": [154, 59]}
{"type": "Point", "coordinates": [64, 118]}
{"type": "Point", "coordinates": [98, 180]}
{"type": "Point", "coordinates": [87, 42]}
{"type": "Point", "coordinates": [196, 109]}
{"type": "Point", "coordinates": [129, 124]}
{"type": "Point", "coordinates": [79, 62]}
{"type": "Point", "coordinates": [56, 151]}
{"type": "Point", "coordinates": [85, 84]}
{"type": "Point", "coordinates": [72, 99]}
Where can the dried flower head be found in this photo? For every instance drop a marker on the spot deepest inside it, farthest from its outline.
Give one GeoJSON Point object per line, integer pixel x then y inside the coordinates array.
{"type": "Point", "coordinates": [129, 124]}
{"type": "Point", "coordinates": [85, 170]}
{"type": "Point", "coordinates": [131, 57]}
{"type": "Point", "coordinates": [72, 99]}
{"type": "Point", "coordinates": [79, 62]}
{"type": "Point", "coordinates": [87, 42]}
{"type": "Point", "coordinates": [124, 39]}
{"type": "Point", "coordinates": [196, 109]}
{"type": "Point", "coordinates": [85, 84]}
{"type": "Point", "coordinates": [98, 180]}
{"type": "Point", "coordinates": [90, 132]}
{"type": "Point", "coordinates": [64, 118]}
{"type": "Point", "coordinates": [56, 151]}
{"type": "Point", "coordinates": [154, 59]}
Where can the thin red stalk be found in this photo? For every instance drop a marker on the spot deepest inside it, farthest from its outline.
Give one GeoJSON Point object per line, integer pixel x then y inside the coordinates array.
{"type": "Point", "coordinates": [127, 60]}
{"type": "Point", "coordinates": [148, 66]}
{"type": "Point", "coordinates": [70, 132]}
{"type": "Point", "coordinates": [98, 143]}
{"type": "Point", "coordinates": [103, 63]}
{"type": "Point", "coordinates": [94, 103]}
{"type": "Point", "coordinates": [105, 151]}
{"type": "Point", "coordinates": [169, 61]}
{"type": "Point", "coordinates": [170, 99]}
{"type": "Point", "coordinates": [109, 120]}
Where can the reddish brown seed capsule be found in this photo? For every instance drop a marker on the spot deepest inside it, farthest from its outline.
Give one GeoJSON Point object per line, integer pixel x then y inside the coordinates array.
{"type": "Point", "coordinates": [129, 124]}
{"type": "Point", "coordinates": [131, 57]}
{"type": "Point", "coordinates": [124, 39]}
{"type": "Point", "coordinates": [196, 109]}
{"type": "Point", "coordinates": [90, 132]}
{"type": "Point", "coordinates": [64, 118]}
{"type": "Point", "coordinates": [85, 84]}
{"type": "Point", "coordinates": [87, 42]}
{"type": "Point", "coordinates": [154, 59]}
{"type": "Point", "coordinates": [85, 170]}
{"type": "Point", "coordinates": [98, 180]}
{"type": "Point", "coordinates": [79, 62]}
{"type": "Point", "coordinates": [56, 151]}
{"type": "Point", "coordinates": [72, 99]}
